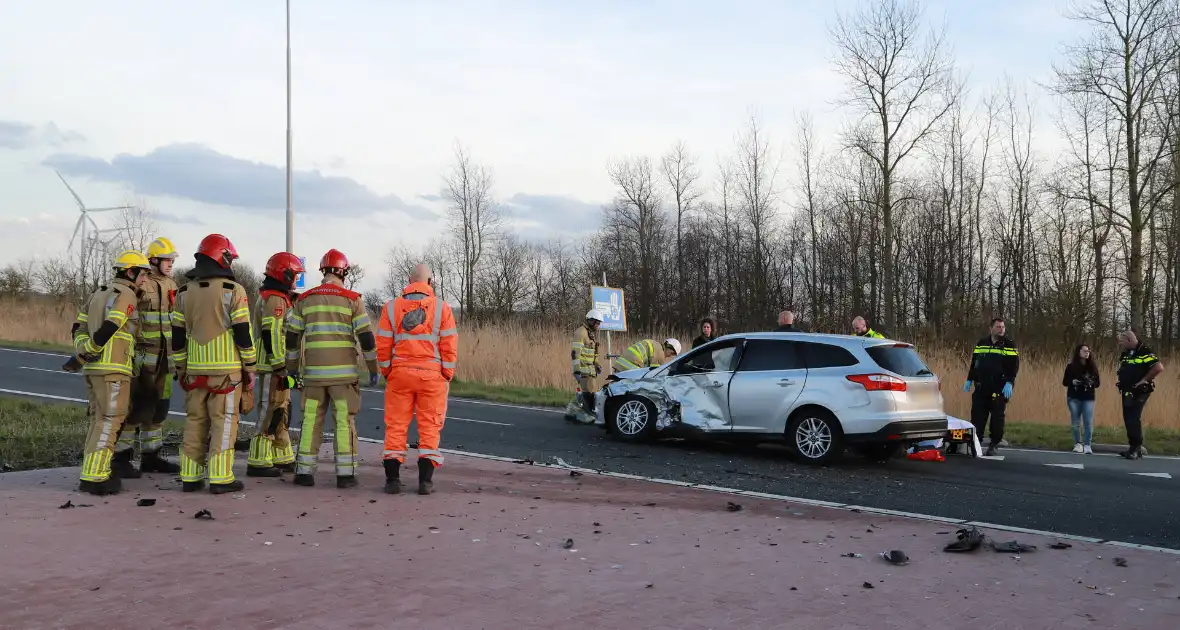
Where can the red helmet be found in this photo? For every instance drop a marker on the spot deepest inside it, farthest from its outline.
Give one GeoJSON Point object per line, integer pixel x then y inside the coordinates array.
{"type": "Point", "coordinates": [284, 266]}
{"type": "Point", "coordinates": [334, 259]}
{"type": "Point", "coordinates": [218, 248]}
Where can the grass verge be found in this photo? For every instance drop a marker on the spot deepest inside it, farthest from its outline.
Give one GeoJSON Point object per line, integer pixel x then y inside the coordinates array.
{"type": "Point", "coordinates": [529, 396]}
{"type": "Point", "coordinates": [1060, 438]}
{"type": "Point", "coordinates": [40, 346]}
{"type": "Point", "coordinates": [49, 435]}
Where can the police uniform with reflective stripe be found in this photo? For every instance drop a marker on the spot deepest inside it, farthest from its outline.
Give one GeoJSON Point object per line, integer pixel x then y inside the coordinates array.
{"type": "Point", "coordinates": [993, 364]}
{"type": "Point", "coordinates": [105, 333]}
{"type": "Point", "coordinates": [871, 334]}
{"type": "Point", "coordinates": [213, 348]}
{"type": "Point", "coordinates": [1134, 366]}
{"type": "Point", "coordinates": [152, 388]}
{"type": "Point", "coordinates": [329, 321]}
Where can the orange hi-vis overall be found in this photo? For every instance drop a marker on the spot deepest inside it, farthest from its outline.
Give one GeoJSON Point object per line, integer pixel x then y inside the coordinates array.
{"type": "Point", "coordinates": [417, 347]}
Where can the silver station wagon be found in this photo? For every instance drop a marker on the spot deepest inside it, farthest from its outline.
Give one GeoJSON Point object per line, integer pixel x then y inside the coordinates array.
{"type": "Point", "coordinates": [821, 393]}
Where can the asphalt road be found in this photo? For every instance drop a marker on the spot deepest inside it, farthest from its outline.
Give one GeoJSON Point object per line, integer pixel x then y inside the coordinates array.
{"type": "Point", "coordinates": [1100, 496]}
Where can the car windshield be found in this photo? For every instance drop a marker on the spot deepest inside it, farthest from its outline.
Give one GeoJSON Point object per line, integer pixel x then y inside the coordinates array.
{"type": "Point", "coordinates": [901, 360]}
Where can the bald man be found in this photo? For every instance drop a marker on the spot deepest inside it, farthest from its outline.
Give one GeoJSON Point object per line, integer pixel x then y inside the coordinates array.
{"type": "Point", "coordinates": [860, 328]}
{"type": "Point", "coordinates": [786, 322]}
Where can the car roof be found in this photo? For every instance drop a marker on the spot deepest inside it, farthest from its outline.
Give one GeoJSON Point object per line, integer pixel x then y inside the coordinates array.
{"type": "Point", "coordinates": [839, 340]}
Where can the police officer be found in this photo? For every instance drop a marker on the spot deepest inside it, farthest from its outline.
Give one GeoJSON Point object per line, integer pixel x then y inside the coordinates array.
{"type": "Point", "coordinates": [860, 328]}
{"type": "Point", "coordinates": [1138, 368]}
{"type": "Point", "coordinates": [994, 364]}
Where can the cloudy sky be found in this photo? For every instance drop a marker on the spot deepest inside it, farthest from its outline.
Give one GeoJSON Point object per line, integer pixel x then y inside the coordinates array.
{"type": "Point", "coordinates": [183, 103]}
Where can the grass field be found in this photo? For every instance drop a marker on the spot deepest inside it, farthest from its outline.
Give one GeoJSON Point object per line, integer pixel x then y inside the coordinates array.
{"type": "Point", "coordinates": [531, 366]}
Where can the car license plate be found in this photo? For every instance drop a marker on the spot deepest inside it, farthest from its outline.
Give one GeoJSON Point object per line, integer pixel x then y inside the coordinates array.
{"type": "Point", "coordinates": [957, 434]}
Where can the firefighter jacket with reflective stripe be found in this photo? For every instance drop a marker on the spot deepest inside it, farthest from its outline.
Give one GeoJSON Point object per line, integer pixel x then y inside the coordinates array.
{"type": "Point", "coordinates": [417, 330]}
{"type": "Point", "coordinates": [871, 334]}
{"type": "Point", "coordinates": [211, 328]}
{"type": "Point", "coordinates": [329, 321]}
{"type": "Point", "coordinates": [994, 363]}
{"type": "Point", "coordinates": [157, 299]}
{"type": "Point", "coordinates": [114, 303]}
{"type": "Point", "coordinates": [645, 353]}
{"type": "Point", "coordinates": [584, 353]}
{"type": "Point", "coordinates": [270, 322]}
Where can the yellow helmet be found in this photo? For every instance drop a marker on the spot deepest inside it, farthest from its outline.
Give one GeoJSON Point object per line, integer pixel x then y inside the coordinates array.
{"type": "Point", "coordinates": [161, 248]}
{"type": "Point", "coordinates": [131, 259]}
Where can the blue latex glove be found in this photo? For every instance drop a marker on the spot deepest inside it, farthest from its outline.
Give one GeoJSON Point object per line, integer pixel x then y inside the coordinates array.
{"type": "Point", "coordinates": [1007, 391]}
{"type": "Point", "coordinates": [373, 378]}
{"type": "Point", "coordinates": [967, 387]}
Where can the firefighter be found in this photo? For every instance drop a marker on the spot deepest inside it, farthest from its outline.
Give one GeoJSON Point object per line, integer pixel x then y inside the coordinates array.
{"type": "Point", "coordinates": [1138, 369]}
{"type": "Point", "coordinates": [417, 348]}
{"type": "Point", "coordinates": [333, 319]}
{"type": "Point", "coordinates": [213, 350]}
{"type": "Point", "coordinates": [860, 328]}
{"type": "Point", "coordinates": [585, 366]}
{"type": "Point", "coordinates": [270, 449]}
{"type": "Point", "coordinates": [994, 364]}
{"type": "Point", "coordinates": [151, 391]}
{"type": "Point", "coordinates": [646, 353]}
{"type": "Point", "coordinates": [105, 335]}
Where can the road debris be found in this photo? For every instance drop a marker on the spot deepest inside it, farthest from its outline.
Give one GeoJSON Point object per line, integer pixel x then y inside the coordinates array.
{"type": "Point", "coordinates": [574, 473]}
{"type": "Point", "coordinates": [1120, 562]}
{"type": "Point", "coordinates": [868, 585]}
{"type": "Point", "coordinates": [568, 544]}
{"type": "Point", "coordinates": [527, 460]}
{"type": "Point", "coordinates": [730, 506]}
{"type": "Point", "coordinates": [895, 556]}
{"type": "Point", "coordinates": [145, 502]}
{"type": "Point", "coordinates": [1012, 546]}
{"type": "Point", "coordinates": [851, 554]}
{"type": "Point", "coordinates": [1060, 545]}
{"type": "Point", "coordinates": [268, 543]}
{"type": "Point", "coordinates": [67, 504]}
{"type": "Point", "coordinates": [968, 540]}
{"type": "Point", "coordinates": [204, 514]}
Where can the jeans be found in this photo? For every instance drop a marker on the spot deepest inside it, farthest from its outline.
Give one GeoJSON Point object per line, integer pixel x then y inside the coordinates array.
{"type": "Point", "coordinates": [1081, 413]}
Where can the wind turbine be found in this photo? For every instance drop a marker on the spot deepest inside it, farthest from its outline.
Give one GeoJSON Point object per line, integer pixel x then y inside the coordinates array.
{"type": "Point", "coordinates": [87, 228]}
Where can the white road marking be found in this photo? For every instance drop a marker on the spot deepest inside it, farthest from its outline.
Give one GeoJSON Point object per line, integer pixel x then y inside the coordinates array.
{"type": "Point", "coordinates": [1157, 475]}
{"type": "Point", "coordinates": [44, 354]}
{"type": "Point", "coordinates": [994, 458]}
{"type": "Point", "coordinates": [496, 404]}
{"type": "Point", "coordinates": [37, 369]}
{"type": "Point", "coordinates": [737, 492]}
{"type": "Point", "coordinates": [1073, 466]}
{"type": "Point", "coordinates": [449, 417]}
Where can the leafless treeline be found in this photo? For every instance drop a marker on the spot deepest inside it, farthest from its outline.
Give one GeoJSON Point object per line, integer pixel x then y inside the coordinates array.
{"type": "Point", "coordinates": [931, 211]}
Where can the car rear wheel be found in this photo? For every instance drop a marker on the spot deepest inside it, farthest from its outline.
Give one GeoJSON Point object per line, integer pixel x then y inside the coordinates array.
{"type": "Point", "coordinates": [632, 419]}
{"type": "Point", "coordinates": [814, 436]}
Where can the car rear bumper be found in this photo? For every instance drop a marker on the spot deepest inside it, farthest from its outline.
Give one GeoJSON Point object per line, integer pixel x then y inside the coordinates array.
{"type": "Point", "coordinates": [907, 431]}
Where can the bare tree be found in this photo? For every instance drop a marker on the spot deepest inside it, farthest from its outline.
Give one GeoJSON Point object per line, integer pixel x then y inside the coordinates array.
{"type": "Point", "coordinates": [637, 222]}
{"type": "Point", "coordinates": [756, 181]}
{"type": "Point", "coordinates": [679, 168]}
{"type": "Point", "coordinates": [356, 275]}
{"type": "Point", "coordinates": [898, 82]}
{"type": "Point", "coordinates": [1126, 62]}
{"type": "Point", "coordinates": [474, 219]}
{"type": "Point", "coordinates": [137, 224]}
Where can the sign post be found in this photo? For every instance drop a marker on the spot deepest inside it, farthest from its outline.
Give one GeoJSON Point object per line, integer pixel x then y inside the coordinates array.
{"type": "Point", "coordinates": [301, 279]}
{"type": "Point", "coordinates": [611, 303]}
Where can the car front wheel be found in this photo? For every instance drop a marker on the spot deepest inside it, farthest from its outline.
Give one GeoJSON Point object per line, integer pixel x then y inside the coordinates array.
{"type": "Point", "coordinates": [814, 436]}
{"type": "Point", "coordinates": [632, 419]}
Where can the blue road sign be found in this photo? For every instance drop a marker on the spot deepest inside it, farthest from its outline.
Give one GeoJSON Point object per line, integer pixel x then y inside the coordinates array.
{"type": "Point", "coordinates": [300, 281]}
{"type": "Point", "coordinates": [610, 303]}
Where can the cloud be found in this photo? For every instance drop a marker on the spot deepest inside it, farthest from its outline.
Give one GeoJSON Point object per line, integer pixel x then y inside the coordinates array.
{"type": "Point", "coordinates": [431, 197]}
{"type": "Point", "coordinates": [176, 219]}
{"type": "Point", "coordinates": [557, 211]}
{"type": "Point", "coordinates": [198, 173]}
{"type": "Point", "coordinates": [18, 135]}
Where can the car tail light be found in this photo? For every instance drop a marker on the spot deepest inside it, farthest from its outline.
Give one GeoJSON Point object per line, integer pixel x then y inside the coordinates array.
{"type": "Point", "coordinates": [878, 382]}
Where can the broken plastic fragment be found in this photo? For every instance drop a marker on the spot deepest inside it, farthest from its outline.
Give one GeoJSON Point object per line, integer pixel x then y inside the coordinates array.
{"type": "Point", "coordinates": [145, 502]}
{"type": "Point", "coordinates": [895, 556]}
{"type": "Point", "coordinates": [733, 507]}
{"type": "Point", "coordinates": [204, 514]}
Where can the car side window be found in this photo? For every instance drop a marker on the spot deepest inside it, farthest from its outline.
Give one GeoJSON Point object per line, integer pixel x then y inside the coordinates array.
{"type": "Point", "coordinates": [764, 355]}
{"type": "Point", "coordinates": [824, 355]}
{"type": "Point", "coordinates": [716, 358]}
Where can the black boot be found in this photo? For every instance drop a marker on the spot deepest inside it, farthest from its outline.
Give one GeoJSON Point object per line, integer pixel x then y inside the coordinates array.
{"type": "Point", "coordinates": [153, 463]}
{"type": "Point", "coordinates": [101, 488]}
{"type": "Point", "coordinates": [992, 449]}
{"type": "Point", "coordinates": [425, 476]}
{"type": "Point", "coordinates": [122, 467]}
{"type": "Point", "coordinates": [289, 467]}
{"type": "Point", "coordinates": [393, 480]}
{"type": "Point", "coordinates": [193, 486]}
{"type": "Point", "coordinates": [305, 480]}
{"type": "Point", "coordinates": [221, 488]}
{"type": "Point", "coordinates": [259, 471]}
{"type": "Point", "coordinates": [345, 481]}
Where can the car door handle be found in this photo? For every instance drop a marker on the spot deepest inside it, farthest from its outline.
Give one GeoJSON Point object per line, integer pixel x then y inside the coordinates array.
{"type": "Point", "coordinates": [786, 382]}
{"type": "Point", "coordinates": [715, 384]}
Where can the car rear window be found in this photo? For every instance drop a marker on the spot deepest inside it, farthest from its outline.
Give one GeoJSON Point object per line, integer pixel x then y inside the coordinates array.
{"type": "Point", "coordinates": [901, 360]}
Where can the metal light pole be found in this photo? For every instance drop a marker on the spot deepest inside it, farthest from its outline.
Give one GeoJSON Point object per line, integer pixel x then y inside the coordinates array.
{"type": "Point", "coordinates": [290, 208]}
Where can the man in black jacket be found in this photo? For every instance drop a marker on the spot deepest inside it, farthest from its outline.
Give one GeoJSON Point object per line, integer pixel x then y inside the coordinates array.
{"type": "Point", "coordinates": [1138, 368]}
{"type": "Point", "coordinates": [786, 322]}
{"type": "Point", "coordinates": [994, 364]}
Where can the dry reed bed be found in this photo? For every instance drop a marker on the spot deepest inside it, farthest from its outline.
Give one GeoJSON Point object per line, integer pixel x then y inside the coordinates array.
{"type": "Point", "coordinates": [531, 357]}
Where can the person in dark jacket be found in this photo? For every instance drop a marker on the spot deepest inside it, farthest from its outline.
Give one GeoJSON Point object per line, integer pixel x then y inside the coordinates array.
{"type": "Point", "coordinates": [1138, 368]}
{"type": "Point", "coordinates": [994, 364]}
{"type": "Point", "coordinates": [1080, 381]}
{"type": "Point", "coordinates": [708, 333]}
{"type": "Point", "coordinates": [786, 322]}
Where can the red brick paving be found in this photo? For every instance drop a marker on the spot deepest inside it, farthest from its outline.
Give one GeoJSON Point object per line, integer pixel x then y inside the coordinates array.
{"type": "Point", "coordinates": [486, 551]}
